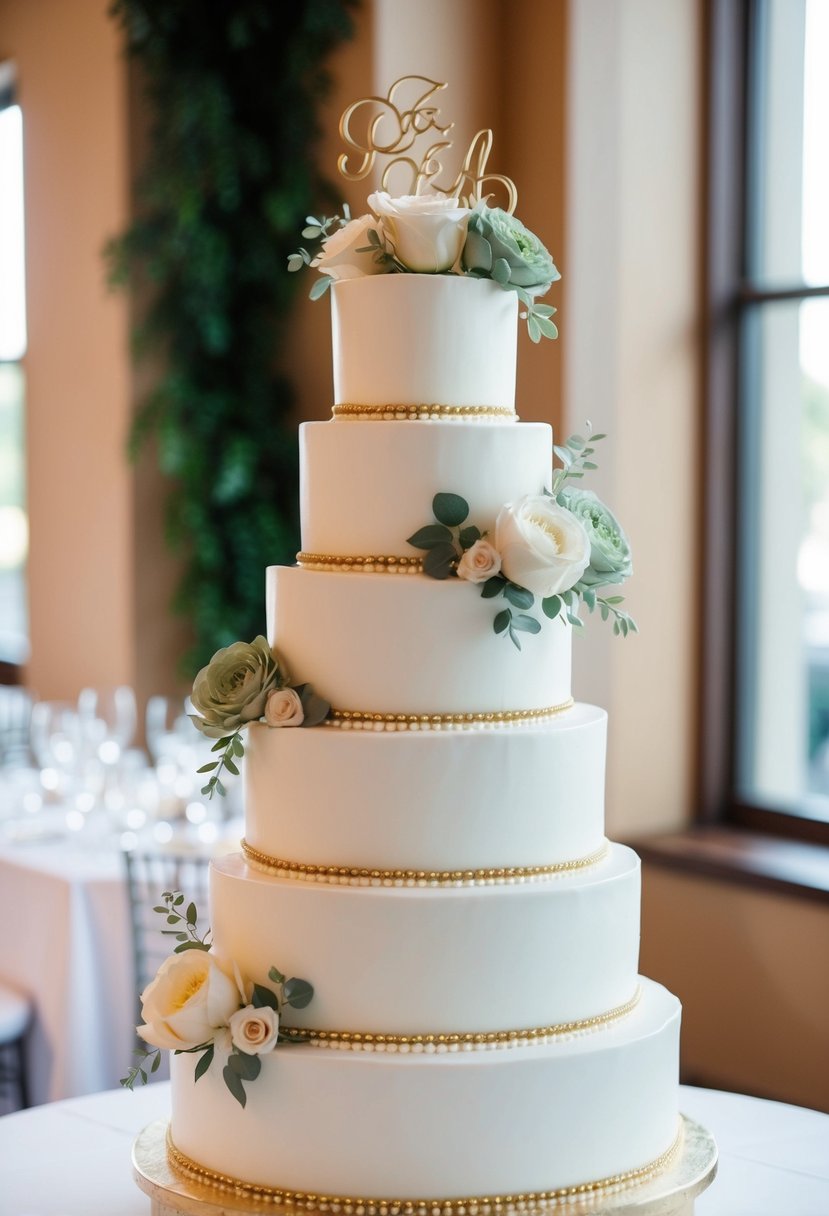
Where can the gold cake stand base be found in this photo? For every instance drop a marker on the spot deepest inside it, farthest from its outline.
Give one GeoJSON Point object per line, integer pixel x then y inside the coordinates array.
{"type": "Point", "coordinates": [671, 1194]}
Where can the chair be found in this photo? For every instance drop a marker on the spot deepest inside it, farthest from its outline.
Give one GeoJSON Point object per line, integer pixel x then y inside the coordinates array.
{"type": "Point", "coordinates": [149, 874]}
{"type": "Point", "coordinates": [15, 1016]}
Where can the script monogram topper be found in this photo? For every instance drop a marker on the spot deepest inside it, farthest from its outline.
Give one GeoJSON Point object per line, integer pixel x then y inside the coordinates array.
{"type": "Point", "coordinates": [378, 126]}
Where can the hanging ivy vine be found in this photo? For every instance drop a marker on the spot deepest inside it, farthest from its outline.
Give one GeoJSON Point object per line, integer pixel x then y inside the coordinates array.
{"type": "Point", "coordinates": [233, 88]}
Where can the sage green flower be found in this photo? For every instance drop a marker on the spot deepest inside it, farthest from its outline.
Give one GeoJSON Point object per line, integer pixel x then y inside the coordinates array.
{"type": "Point", "coordinates": [234, 686]}
{"type": "Point", "coordinates": [610, 557]}
{"type": "Point", "coordinates": [499, 247]}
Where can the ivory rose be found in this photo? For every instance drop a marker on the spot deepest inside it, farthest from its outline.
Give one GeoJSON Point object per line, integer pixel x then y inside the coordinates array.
{"type": "Point", "coordinates": [253, 1030]}
{"type": "Point", "coordinates": [343, 254]}
{"type": "Point", "coordinates": [427, 231]}
{"type": "Point", "coordinates": [543, 547]}
{"type": "Point", "coordinates": [284, 708]}
{"type": "Point", "coordinates": [188, 999]}
{"type": "Point", "coordinates": [480, 562]}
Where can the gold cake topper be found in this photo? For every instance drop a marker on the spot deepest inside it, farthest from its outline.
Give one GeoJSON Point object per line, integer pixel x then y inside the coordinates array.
{"type": "Point", "coordinates": [384, 128]}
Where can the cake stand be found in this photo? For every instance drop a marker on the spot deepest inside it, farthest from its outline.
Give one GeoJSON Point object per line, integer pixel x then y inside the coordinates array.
{"type": "Point", "coordinates": [671, 1194]}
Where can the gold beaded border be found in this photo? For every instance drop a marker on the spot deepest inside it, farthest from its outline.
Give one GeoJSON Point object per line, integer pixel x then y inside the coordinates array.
{"type": "Point", "coordinates": [485, 1205]}
{"type": "Point", "coordinates": [360, 565]}
{"type": "Point", "coordinates": [349, 1041]}
{"type": "Point", "coordinates": [357, 719]}
{"type": "Point", "coordinates": [360, 876]}
{"type": "Point", "coordinates": [395, 413]}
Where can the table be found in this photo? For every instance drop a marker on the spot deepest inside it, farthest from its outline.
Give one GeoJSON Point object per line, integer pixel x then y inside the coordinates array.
{"type": "Point", "coordinates": [73, 1158]}
{"type": "Point", "coordinates": [67, 943]}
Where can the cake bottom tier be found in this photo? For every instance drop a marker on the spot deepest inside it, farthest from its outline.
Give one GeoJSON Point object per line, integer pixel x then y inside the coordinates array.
{"type": "Point", "coordinates": [451, 1126]}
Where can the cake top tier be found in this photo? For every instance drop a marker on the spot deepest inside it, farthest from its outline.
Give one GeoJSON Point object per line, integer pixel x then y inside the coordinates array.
{"type": "Point", "coordinates": [429, 279]}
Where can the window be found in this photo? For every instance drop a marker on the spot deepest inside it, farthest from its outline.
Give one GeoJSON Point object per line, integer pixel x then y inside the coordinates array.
{"type": "Point", "coordinates": [766, 690]}
{"type": "Point", "coordinates": [13, 521]}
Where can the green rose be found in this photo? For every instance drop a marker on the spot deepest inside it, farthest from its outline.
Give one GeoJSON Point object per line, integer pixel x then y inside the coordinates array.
{"type": "Point", "coordinates": [234, 686]}
{"type": "Point", "coordinates": [610, 558]}
{"type": "Point", "coordinates": [499, 247]}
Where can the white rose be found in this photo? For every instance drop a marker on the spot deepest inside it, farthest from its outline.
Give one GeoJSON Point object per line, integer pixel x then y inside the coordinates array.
{"type": "Point", "coordinates": [480, 562]}
{"type": "Point", "coordinates": [543, 547]}
{"type": "Point", "coordinates": [284, 708]}
{"type": "Point", "coordinates": [339, 257]}
{"type": "Point", "coordinates": [255, 1031]}
{"type": "Point", "coordinates": [188, 999]}
{"type": "Point", "coordinates": [428, 231]}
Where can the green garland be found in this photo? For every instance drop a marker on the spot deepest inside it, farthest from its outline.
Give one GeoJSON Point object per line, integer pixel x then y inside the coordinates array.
{"type": "Point", "coordinates": [233, 87]}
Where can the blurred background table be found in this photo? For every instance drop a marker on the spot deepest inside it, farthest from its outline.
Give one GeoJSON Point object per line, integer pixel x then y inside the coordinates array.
{"type": "Point", "coordinates": [73, 1158]}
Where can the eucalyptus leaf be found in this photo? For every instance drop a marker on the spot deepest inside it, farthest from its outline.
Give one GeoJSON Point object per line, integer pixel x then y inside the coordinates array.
{"type": "Point", "coordinates": [545, 326]}
{"type": "Point", "coordinates": [551, 606]}
{"type": "Point", "coordinates": [450, 509]}
{"type": "Point", "coordinates": [519, 597]}
{"type": "Point", "coordinates": [575, 621]}
{"type": "Point", "coordinates": [157, 1061]}
{"type": "Point", "coordinates": [564, 456]}
{"type": "Point", "coordinates": [605, 611]}
{"type": "Point", "coordinates": [221, 744]}
{"type": "Point", "coordinates": [468, 536]}
{"type": "Point", "coordinates": [501, 271]}
{"type": "Point", "coordinates": [264, 998]}
{"type": "Point", "coordinates": [534, 330]}
{"type": "Point", "coordinates": [311, 232]}
{"type": "Point", "coordinates": [191, 914]}
{"type": "Point", "coordinates": [315, 708]}
{"type": "Point", "coordinates": [502, 620]}
{"type": "Point", "coordinates": [297, 993]}
{"type": "Point", "coordinates": [231, 766]}
{"type": "Point", "coordinates": [190, 946]}
{"type": "Point", "coordinates": [295, 261]}
{"type": "Point", "coordinates": [234, 1083]}
{"type": "Point", "coordinates": [276, 976]}
{"type": "Point", "coordinates": [238, 746]}
{"type": "Point", "coordinates": [527, 624]}
{"type": "Point", "coordinates": [439, 561]}
{"type": "Point", "coordinates": [493, 586]}
{"type": "Point", "coordinates": [428, 537]}
{"type": "Point", "coordinates": [318, 289]}
{"type": "Point", "coordinates": [204, 1063]}
{"type": "Point", "coordinates": [245, 1066]}
{"type": "Point", "coordinates": [514, 638]}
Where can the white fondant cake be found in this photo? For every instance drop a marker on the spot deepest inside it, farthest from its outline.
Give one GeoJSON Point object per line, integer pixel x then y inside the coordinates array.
{"type": "Point", "coordinates": [432, 857]}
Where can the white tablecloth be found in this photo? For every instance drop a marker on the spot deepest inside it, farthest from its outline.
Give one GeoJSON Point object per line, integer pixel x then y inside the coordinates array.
{"type": "Point", "coordinates": [73, 1158]}
{"type": "Point", "coordinates": [66, 942]}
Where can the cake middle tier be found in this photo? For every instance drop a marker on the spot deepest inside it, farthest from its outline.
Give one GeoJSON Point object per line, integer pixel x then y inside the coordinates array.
{"type": "Point", "coordinates": [366, 487]}
{"type": "Point", "coordinates": [428, 801]}
{"type": "Point", "coordinates": [383, 644]}
{"type": "Point", "coordinates": [456, 960]}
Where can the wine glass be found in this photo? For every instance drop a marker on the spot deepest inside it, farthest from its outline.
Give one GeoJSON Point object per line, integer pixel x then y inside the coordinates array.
{"type": "Point", "coordinates": [57, 743]}
{"type": "Point", "coordinates": [108, 719]}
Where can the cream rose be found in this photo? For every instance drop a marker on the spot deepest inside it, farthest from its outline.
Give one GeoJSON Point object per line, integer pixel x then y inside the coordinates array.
{"type": "Point", "coordinates": [188, 999]}
{"type": "Point", "coordinates": [428, 231]}
{"type": "Point", "coordinates": [284, 708]}
{"type": "Point", "coordinates": [543, 547]}
{"type": "Point", "coordinates": [340, 257]}
{"type": "Point", "coordinates": [255, 1031]}
{"type": "Point", "coordinates": [480, 562]}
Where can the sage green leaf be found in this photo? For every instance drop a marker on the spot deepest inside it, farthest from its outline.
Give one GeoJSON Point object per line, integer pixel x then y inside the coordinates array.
{"type": "Point", "coordinates": [493, 586]}
{"type": "Point", "coordinates": [546, 326]}
{"type": "Point", "coordinates": [527, 624]}
{"type": "Point", "coordinates": [208, 768]}
{"type": "Point", "coordinates": [439, 561]}
{"type": "Point", "coordinates": [588, 596]}
{"type": "Point", "coordinates": [178, 899]}
{"type": "Point", "coordinates": [534, 330]}
{"type": "Point", "coordinates": [605, 611]}
{"type": "Point", "coordinates": [264, 997]}
{"type": "Point", "coordinates": [501, 271]}
{"type": "Point", "coordinates": [551, 606]}
{"type": "Point", "coordinates": [221, 744]}
{"type": "Point", "coordinates": [191, 915]}
{"type": "Point", "coordinates": [276, 976]}
{"type": "Point", "coordinates": [298, 993]}
{"type": "Point", "coordinates": [575, 621]}
{"type": "Point", "coordinates": [204, 1063]}
{"type": "Point", "coordinates": [615, 599]}
{"type": "Point", "coordinates": [315, 708]}
{"type": "Point", "coordinates": [295, 261]}
{"type": "Point", "coordinates": [238, 746]}
{"type": "Point", "coordinates": [450, 509]}
{"type": "Point", "coordinates": [245, 1066]}
{"type": "Point", "coordinates": [311, 232]}
{"type": "Point", "coordinates": [468, 536]}
{"type": "Point", "coordinates": [519, 597]}
{"type": "Point", "coordinates": [428, 537]}
{"type": "Point", "coordinates": [514, 638]}
{"type": "Point", "coordinates": [564, 456]}
{"type": "Point", "coordinates": [318, 289]}
{"type": "Point", "coordinates": [477, 252]}
{"type": "Point", "coordinates": [231, 766]}
{"type": "Point", "coordinates": [502, 620]}
{"type": "Point", "coordinates": [191, 946]}
{"type": "Point", "coordinates": [156, 1062]}
{"type": "Point", "coordinates": [234, 1083]}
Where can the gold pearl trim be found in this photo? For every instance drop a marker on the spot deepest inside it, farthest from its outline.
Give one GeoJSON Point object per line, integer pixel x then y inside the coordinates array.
{"type": "Point", "coordinates": [395, 413]}
{"type": "Point", "coordinates": [346, 1040]}
{"type": "Point", "coordinates": [360, 565]}
{"type": "Point", "coordinates": [355, 719]}
{"type": "Point", "coordinates": [359, 876]}
{"type": "Point", "coordinates": [486, 1205]}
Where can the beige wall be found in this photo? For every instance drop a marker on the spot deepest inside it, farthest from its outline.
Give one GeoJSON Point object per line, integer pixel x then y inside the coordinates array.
{"type": "Point", "coordinates": [72, 91]}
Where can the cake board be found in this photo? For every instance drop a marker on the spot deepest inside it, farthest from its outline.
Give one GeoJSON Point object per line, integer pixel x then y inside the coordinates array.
{"type": "Point", "coordinates": [671, 1194]}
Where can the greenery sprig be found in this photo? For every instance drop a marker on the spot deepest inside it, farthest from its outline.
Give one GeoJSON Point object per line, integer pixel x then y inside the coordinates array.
{"type": "Point", "coordinates": [233, 94]}
{"type": "Point", "coordinates": [232, 749]}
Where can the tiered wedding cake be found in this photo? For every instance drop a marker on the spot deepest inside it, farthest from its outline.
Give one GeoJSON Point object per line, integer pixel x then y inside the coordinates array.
{"type": "Point", "coordinates": [431, 855]}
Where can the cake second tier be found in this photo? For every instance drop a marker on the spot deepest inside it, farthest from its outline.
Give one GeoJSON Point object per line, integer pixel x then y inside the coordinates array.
{"type": "Point", "coordinates": [381, 644]}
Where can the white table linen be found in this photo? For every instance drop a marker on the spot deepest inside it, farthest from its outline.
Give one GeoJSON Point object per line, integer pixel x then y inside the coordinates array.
{"type": "Point", "coordinates": [73, 1158]}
